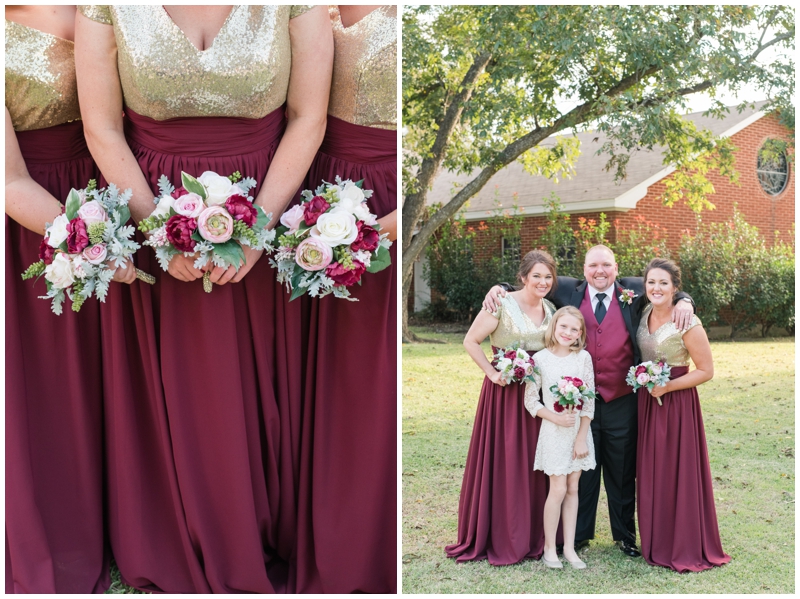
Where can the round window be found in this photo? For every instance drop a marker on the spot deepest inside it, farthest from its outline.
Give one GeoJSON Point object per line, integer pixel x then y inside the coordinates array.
{"type": "Point", "coordinates": [772, 167]}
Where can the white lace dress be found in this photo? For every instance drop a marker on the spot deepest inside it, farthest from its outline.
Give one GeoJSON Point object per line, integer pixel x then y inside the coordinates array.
{"type": "Point", "coordinates": [556, 443]}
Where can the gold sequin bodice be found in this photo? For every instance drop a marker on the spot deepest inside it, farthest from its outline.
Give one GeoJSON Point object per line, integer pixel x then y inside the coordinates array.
{"type": "Point", "coordinates": [516, 329]}
{"type": "Point", "coordinates": [244, 73]}
{"type": "Point", "coordinates": [40, 79]}
{"type": "Point", "coordinates": [665, 343]}
{"type": "Point", "coordinates": [364, 86]}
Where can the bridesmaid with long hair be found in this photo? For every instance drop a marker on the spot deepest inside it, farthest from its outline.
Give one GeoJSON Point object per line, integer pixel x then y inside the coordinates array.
{"type": "Point", "coordinates": [347, 523]}
{"type": "Point", "coordinates": [502, 497]}
{"type": "Point", "coordinates": [675, 496]}
{"type": "Point", "coordinates": [54, 500]}
{"type": "Point", "coordinates": [204, 435]}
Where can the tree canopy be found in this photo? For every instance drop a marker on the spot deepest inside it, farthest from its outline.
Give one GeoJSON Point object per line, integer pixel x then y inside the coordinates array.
{"type": "Point", "coordinates": [484, 86]}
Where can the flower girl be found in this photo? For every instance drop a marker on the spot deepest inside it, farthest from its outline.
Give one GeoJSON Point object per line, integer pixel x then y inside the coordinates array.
{"type": "Point", "coordinates": [565, 446]}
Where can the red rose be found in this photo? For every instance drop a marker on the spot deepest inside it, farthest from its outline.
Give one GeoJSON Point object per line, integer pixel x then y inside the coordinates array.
{"type": "Point", "coordinates": [78, 238]}
{"type": "Point", "coordinates": [510, 354]}
{"type": "Point", "coordinates": [557, 407]}
{"type": "Point", "coordinates": [179, 232]}
{"type": "Point", "coordinates": [240, 208]}
{"type": "Point", "coordinates": [179, 192]}
{"type": "Point", "coordinates": [577, 382]}
{"type": "Point", "coordinates": [367, 239]}
{"type": "Point", "coordinates": [341, 276]}
{"type": "Point", "coordinates": [314, 209]}
{"type": "Point", "coordinates": [519, 372]}
{"type": "Point", "coordinates": [640, 370]}
{"type": "Point", "coordinates": [46, 252]}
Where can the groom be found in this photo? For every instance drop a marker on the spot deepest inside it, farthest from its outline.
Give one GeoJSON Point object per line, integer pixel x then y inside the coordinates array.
{"type": "Point", "coordinates": [611, 323]}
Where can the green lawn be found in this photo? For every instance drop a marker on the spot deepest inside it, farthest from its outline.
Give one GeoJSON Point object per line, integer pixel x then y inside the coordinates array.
{"type": "Point", "coordinates": [748, 411]}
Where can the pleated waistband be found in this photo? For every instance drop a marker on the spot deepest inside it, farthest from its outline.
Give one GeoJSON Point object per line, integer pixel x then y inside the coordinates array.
{"type": "Point", "coordinates": [60, 143]}
{"type": "Point", "coordinates": [356, 143]}
{"type": "Point", "coordinates": [205, 136]}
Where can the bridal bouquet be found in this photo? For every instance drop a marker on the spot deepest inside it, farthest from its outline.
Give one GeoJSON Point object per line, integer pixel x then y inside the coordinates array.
{"type": "Point", "coordinates": [516, 365]}
{"type": "Point", "coordinates": [328, 241]}
{"type": "Point", "coordinates": [212, 216]}
{"type": "Point", "coordinates": [570, 393]}
{"type": "Point", "coordinates": [83, 246]}
{"type": "Point", "coordinates": [648, 374]}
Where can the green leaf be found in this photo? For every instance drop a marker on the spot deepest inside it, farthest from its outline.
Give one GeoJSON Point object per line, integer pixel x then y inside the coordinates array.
{"type": "Point", "coordinates": [359, 183]}
{"type": "Point", "coordinates": [124, 214]}
{"type": "Point", "coordinates": [380, 261]}
{"type": "Point", "coordinates": [297, 292]}
{"type": "Point", "coordinates": [298, 272]}
{"type": "Point", "coordinates": [262, 220]}
{"type": "Point", "coordinates": [192, 185]}
{"type": "Point", "coordinates": [231, 252]}
{"type": "Point", "coordinates": [72, 205]}
{"type": "Point", "coordinates": [197, 237]}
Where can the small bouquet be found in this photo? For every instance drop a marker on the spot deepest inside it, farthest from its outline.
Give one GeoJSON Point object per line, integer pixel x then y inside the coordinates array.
{"type": "Point", "coordinates": [83, 246]}
{"type": "Point", "coordinates": [648, 374]}
{"type": "Point", "coordinates": [212, 216]}
{"type": "Point", "coordinates": [329, 240]}
{"type": "Point", "coordinates": [570, 393]}
{"type": "Point", "coordinates": [517, 365]}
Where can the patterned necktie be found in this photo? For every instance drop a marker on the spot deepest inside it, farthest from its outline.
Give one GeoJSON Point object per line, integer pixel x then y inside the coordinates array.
{"type": "Point", "coordinates": [600, 310]}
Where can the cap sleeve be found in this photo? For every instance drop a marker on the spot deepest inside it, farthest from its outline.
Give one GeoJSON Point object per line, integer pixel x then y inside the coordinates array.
{"type": "Point", "coordinates": [299, 9]}
{"type": "Point", "coordinates": [695, 322]}
{"type": "Point", "coordinates": [498, 313]}
{"type": "Point", "coordinates": [100, 13]}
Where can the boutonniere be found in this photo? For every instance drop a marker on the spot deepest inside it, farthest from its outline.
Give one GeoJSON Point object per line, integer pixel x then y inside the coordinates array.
{"type": "Point", "coordinates": [626, 297]}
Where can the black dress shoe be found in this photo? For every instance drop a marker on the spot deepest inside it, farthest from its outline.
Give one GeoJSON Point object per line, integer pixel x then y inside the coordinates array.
{"type": "Point", "coordinates": [581, 545]}
{"type": "Point", "coordinates": [560, 549]}
{"type": "Point", "coordinates": [629, 549]}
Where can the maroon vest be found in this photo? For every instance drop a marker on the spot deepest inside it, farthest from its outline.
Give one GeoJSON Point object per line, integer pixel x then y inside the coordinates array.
{"type": "Point", "coordinates": [610, 347]}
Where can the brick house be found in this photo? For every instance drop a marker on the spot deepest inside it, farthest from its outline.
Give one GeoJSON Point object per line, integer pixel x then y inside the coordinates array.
{"type": "Point", "coordinates": [765, 194]}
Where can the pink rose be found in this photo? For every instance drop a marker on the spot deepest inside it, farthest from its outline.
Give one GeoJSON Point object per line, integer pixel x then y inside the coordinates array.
{"type": "Point", "coordinates": [78, 238]}
{"type": "Point", "coordinates": [189, 204]}
{"type": "Point", "coordinates": [292, 218]}
{"type": "Point", "coordinates": [240, 208]}
{"type": "Point", "coordinates": [215, 224]}
{"type": "Point", "coordinates": [179, 232]}
{"type": "Point", "coordinates": [46, 252]}
{"type": "Point", "coordinates": [343, 276]}
{"type": "Point", "coordinates": [313, 254]}
{"type": "Point", "coordinates": [179, 192]}
{"type": "Point", "coordinates": [95, 254]}
{"type": "Point", "coordinates": [92, 212]}
{"type": "Point", "coordinates": [656, 369]}
{"type": "Point", "coordinates": [314, 209]}
{"type": "Point", "coordinates": [562, 383]}
{"type": "Point", "coordinates": [367, 239]}
{"type": "Point", "coordinates": [643, 378]}
{"type": "Point", "coordinates": [577, 382]}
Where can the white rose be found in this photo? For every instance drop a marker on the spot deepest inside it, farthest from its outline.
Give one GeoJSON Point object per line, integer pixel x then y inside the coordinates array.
{"type": "Point", "coordinates": [164, 205]}
{"type": "Point", "coordinates": [59, 272]}
{"type": "Point", "coordinates": [351, 193]}
{"type": "Point", "coordinates": [57, 232]}
{"type": "Point", "coordinates": [218, 188]}
{"type": "Point", "coordinates": [92, 212]}
{"type": "Point", "coordinates": [337, 227]}
{"type": "Point", "coordinates": [569, 389]}
{"type": "Point", "coordinates": [362, 213]}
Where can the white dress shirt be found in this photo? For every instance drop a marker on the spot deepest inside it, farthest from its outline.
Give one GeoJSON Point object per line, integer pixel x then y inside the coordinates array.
{"type": "Point", "coordinates": [593, 297]}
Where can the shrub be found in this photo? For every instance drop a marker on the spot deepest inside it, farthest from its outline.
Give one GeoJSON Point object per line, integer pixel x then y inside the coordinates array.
{"type": "Point", "coordinates": [635, 247]}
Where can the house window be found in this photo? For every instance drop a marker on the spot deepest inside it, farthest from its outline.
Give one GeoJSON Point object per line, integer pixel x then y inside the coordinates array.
{"type": "Point", "coordinates": [772, 167]}
{"type": "Point", "coordinates": [511, 250]}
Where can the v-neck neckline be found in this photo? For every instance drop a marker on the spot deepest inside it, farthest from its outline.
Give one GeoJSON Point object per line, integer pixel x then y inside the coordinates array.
{"type": "Point", "coordinates": [361, 20]}
{"type": "Point", "coordinates": [45, 33]}
{"type": "Point", "coordinates": [525, 314]}
{"type": "Point", "coordinates": [647, 323]}
{"type": "Point", "coordinates": [186, 37]}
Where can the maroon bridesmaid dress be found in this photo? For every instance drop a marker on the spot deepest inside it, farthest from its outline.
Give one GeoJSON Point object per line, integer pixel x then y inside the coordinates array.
{"type": "Point", "coordinates": [502, 498]}
{"type": "Point", "coordinates": [675, 497]}
{"type": "Point", "coordinates": [347, 519]}
{"type": "Point", "coordinates": [205, 420]}
{"type": "Point", "coordinates": [54, 497]}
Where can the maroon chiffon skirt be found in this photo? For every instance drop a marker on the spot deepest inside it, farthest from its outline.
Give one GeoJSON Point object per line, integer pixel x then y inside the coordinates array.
{"type": "Point", "coordinates": [204, 427]}
{"type": "Point", "coordinates": [54, 452]}
{"type": "Point", "coordinates": [347, 522]}
{"type": "Point", "coordinates": [675, 500]}
{"type": "Point", "coordinates": [502, 497]}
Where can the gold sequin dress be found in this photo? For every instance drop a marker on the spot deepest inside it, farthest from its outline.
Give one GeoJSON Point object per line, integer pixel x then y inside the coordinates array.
{"type": "Point", "coordinates": [675, 496]}
{"type": "Point", "coordinates": [502, 497]}
{"type": "Point", "coordinates": [55, 536]}
{"type": "Point", "coordinates": [347, 518]}
{"type": "Point", "coordinates": [203, 485]}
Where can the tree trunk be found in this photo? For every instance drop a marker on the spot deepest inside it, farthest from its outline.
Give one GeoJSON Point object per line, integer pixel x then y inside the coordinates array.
{"type": "Point", "coordinates": [407, 335]}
